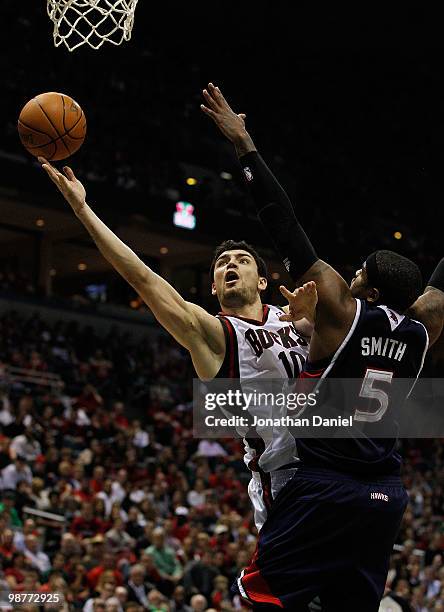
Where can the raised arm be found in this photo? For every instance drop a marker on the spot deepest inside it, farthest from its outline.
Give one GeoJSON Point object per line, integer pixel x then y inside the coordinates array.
{"type": "Point", "coordinates": [191, 326]}
{"type": "Point", "coordinates": [429, 307]}
{"type": "Point", "coordinates": [336, 306]}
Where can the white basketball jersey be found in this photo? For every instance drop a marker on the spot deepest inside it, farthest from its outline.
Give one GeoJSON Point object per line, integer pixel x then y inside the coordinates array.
{"type": "Point", "coordinates": [264, 349]}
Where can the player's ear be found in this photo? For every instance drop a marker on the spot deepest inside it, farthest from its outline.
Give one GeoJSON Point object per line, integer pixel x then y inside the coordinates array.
{"type": "Point", "coordinates": [213, 288]}
{"type": "Point", "coordinates": [373, 294]}
{"type": "Point", "coordinates": [262, 283]}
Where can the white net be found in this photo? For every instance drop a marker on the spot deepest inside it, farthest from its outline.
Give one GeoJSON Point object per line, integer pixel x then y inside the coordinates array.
{"type": "Point", "coordinates": [91, 22]}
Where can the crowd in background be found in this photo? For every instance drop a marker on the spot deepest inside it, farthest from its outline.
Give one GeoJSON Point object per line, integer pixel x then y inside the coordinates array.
{"type": "Point", "coordinates": [107, 498]}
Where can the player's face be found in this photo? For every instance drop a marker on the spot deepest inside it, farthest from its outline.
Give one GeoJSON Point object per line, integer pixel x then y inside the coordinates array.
{"type": "Point", "coordinates": [359, 286]}
{"type": "Point", "coordinates": [236, 279]}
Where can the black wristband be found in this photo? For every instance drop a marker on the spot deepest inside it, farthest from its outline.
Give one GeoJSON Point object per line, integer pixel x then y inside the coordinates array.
{"type": "Point", "coordinates": [437, 278]}
{"type": "Point", "coordinates": [262, 183]}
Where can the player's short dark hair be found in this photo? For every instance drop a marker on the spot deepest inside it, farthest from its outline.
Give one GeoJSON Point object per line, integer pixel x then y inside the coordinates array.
{"type": "Point", "coordinates": [398, 279]}
{"type": "Point", "coordinates": [232, 245]}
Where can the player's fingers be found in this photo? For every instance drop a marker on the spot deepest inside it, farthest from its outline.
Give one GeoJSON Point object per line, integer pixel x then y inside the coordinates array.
{"type": "Point", "coordinates": [210, 101]}
{"type": "Point", "coordinates": [69, 173]}
{"type": "Point", "coordinates": [285, 292]}
{"type": "Point", "coordinates": [242, 116]}
{"type": "Point", "coordinates": [310, 285]}
{"type": "Point", "coordinates": [215, 93]}
{"type": "Point", "coordinates": [208, 111]}
{"type": "Point", "coordinates": [221, 97]}
{"type": "Point", "coordinates": [46, 163]}
{"type": "Point", "coordinates": [51, 172]}
{"type": "Point", "coordinates": [311, 289]}
{"type": "Point", "coordinates": [64, 184]}
{"type": "Point", "coordinates": [286, 317]}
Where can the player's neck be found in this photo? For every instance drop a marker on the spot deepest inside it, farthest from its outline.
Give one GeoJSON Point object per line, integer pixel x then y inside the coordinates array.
{"type": "Point", "coordinates": [248, 311]}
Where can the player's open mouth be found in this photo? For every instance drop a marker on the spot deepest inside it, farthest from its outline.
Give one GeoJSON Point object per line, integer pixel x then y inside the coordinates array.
{"type": "Point", "coordinates": [231, 277]}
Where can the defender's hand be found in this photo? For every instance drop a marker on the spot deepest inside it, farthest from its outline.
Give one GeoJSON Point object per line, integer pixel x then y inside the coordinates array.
{"type": "Point", "coordinates": [301, 302]}
{"type": "Point", "coordinates": [69, 186]}
{"type": "Point", "coordinates": [229, 123]}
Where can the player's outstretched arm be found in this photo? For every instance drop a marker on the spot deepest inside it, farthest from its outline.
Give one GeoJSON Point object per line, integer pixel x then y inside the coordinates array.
{"type": "Point", "coordinates": [336, 306]}
{"type": "Point", "coordinates": [191, 326]}
{"type": "Point", "coordinates": [429, 307]}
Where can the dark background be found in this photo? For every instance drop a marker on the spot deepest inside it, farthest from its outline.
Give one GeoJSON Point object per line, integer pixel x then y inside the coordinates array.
{"type": "Point", "coordinates": [346, 108]}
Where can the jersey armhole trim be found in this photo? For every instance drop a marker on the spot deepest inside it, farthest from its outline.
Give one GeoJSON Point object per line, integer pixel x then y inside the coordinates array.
{"type": "Point", "coordinates": [230, 364]}
{"type": "Point", "coordinates": [426, 348]}
{"type": "Point", "coordinates": [345, 341]}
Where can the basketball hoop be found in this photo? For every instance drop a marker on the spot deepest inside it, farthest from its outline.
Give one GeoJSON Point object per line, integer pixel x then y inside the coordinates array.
{"type": "Point", "coordinates": [91, 22]}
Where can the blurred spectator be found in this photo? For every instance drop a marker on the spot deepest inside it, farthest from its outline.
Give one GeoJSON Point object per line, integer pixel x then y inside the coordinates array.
{"type": "Point", "coordinates": [7, 507]}
{"type": "Point", "coordinates": [198, 603]}
{"type": "Point", "coordinates": [108, 564]}
{"type": "Point", "coordinates": [199, 575]}
{"type": "Point", "coordinates": [138, 589]}
{"type": "Point", "coordinates": [15, 472]}
{"type": "Point", "coordinates": [117, 537]}
{"type": "Point", "coordinates": [164, 557]}
{"type": "Point", "coordinates": [86, 525]}
{"type": "Point", "coordinates": [36, 557]}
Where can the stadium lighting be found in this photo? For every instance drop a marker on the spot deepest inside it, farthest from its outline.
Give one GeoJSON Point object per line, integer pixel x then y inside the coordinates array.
{"type": "Point", "coordinates": [40, 222]}
{"type": "Point", "coordinates": [397, 235]}
{"type": "Point", "coordinates": [191, 181]}
{"type": "Point", "coordinates": [163, 250]}
{"type": "Point", "coordinates": [226, 176]}
{"type": "Point", "coordinates": [82, 266]}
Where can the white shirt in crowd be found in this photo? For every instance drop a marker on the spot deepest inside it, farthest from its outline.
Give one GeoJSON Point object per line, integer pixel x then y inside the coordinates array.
{"type": "Point", "coordinates": [6, 416]}
{"type": "Point", "coordinates": [141, 439]}
{"type": "Point", "coordinates": [118, 493]}
{"type": "Point", "coordinates": [11, 476]}
{"type": "Point", "coordinates": [209, 448]}
{"type": "Point", "coordinates": [30, 449]}
{"type": "Point", "coordinates": [39, 560]}
{"type": "Point", "coordinates": [196, 499]}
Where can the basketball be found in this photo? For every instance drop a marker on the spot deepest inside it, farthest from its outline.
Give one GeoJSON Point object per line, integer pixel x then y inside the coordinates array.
{"type": "Point", "coordinates": [52, 125]}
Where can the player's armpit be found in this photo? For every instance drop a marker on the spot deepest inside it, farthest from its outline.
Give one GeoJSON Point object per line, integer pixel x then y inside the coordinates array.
{"type": "Point", "coordinates": [429, 310]}
{"type": "Point", "coordinates": [192, 326]}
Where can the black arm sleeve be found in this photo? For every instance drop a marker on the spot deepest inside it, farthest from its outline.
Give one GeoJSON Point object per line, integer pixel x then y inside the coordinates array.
{"type": "Point", "coordinates": [276, 213]}
{"type": "Point", "coordinates": [437, 278]}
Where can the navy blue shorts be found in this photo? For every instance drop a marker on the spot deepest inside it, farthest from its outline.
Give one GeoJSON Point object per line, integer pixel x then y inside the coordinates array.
{"type": "Point", "coordinates": [327, 536]}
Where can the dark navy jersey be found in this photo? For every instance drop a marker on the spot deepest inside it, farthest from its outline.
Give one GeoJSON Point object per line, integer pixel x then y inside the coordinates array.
{"type": "Point", "coordinates": [381, 347]}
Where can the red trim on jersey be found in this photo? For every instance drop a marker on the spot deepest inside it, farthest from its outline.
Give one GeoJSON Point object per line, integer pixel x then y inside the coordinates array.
{"type": "Point", "coordinates": [265, 313]}
{"type": "Point", "coordinates": [314, 374]}
{"type": "Point", "coordinates": [230, 349]}
{"type": "Point", "coordinates": [255, 585]}
{"type": "Point", "coordinates": [266, 488]}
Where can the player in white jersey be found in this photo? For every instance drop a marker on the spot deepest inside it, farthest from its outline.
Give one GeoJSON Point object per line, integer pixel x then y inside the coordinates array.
{"type": "Point", "coordinates": [246, 337]}
{"type": "Point", "coordinates": [266, 348]}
